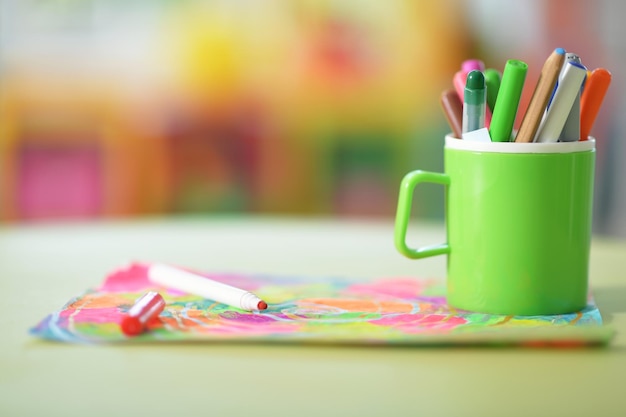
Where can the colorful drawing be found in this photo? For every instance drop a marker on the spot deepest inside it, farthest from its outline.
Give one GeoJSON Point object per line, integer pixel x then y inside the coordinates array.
{"type": "Point", "coordinates": [405, 311]}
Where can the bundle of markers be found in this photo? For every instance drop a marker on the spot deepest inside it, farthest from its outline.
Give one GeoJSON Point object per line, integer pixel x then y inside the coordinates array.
{"type": "Point", "coordinates": [483, 104]}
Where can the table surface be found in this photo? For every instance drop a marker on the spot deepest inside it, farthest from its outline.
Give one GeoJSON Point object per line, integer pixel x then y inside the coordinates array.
{"type": "Point", "coordinates": [43, 265]}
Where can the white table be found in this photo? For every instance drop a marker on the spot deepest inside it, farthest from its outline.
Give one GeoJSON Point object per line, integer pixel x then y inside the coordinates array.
{"type": "Point", "coordinates": [43, 265]}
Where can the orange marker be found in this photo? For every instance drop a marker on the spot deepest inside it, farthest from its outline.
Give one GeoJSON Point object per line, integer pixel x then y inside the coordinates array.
{"type": "Point", "coordinates": [591, 99]}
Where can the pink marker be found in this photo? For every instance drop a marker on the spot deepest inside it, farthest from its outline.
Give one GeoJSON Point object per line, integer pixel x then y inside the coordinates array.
{"type": "Point", "coordinates": [145, 309]}
{"type": "Point", "coordinates": [459, 79]}
{"type": "Point", "coordinates": [472, 65]}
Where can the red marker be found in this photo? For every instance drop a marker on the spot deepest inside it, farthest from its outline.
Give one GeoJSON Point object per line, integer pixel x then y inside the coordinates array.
{"type": "Point", "coordinates": [146, 308]}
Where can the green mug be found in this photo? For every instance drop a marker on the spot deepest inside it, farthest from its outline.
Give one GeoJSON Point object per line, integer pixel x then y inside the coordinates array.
{"type": "Point", "coordinates": [518, 225]}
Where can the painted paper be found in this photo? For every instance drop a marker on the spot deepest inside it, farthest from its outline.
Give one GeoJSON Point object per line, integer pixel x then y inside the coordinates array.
{"type": "Point", "coordinates": [395, 310]}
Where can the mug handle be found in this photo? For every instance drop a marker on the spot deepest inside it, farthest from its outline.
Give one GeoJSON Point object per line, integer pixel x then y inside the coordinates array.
{"type": "Point", "coordinates": [403, 215]}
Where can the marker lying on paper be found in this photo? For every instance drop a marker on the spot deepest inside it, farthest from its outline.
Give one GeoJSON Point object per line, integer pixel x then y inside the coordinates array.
{"type": "Point", "coordinates": [191, 283]}
{"type": "Point", "coordinates": [145, 309]}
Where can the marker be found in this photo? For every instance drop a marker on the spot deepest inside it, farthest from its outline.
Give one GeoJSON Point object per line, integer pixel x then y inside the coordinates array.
{"type": "Point", "coordinates": [474, 102]}
{"type": "Point", "coordinates": [145, 309]}
{"type": "Point", "coordinates": [493, 79]}
{"type": "Point", "coordinates": [569, 56]}
{"type": "Point", "coordinates": [191, 283]}
{"type": "Point", "coordinates": [459, 81]}
{"type": "Point", "coordinates": [460, 77]}
{"type": "Point", "coordinates": [472, 64]}
{"type": "Point", "coordinates": [508, 100]}
{"type": "Point", "coordinates": [541, 95]}
{"type": "Point", "coordinates": [554, 119]}
{"type": "Point", "coordinates": [591, 99]}
{"type": "Point", "coordinates": [585, 83]}
{"type": "Point", "coordinates": [571, 130]}
{"type": "Point", "coordinates": [453, 110]}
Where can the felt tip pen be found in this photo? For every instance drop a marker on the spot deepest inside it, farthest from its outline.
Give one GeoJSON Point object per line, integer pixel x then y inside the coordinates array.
{"type": "Point", "coordinates": [146, 308]}
{"type": "Point", "coordinates": [493, 78]}
{"type": "Point", "coordinates": [569, 87]}
{"type": "Point", "coordinates": [460, 77]}
{"type": "Point", "coordinates": [541, 95]}
{"type": "Point", "coordinates": [569, 56]}
{"type": "Point", "coordinates": [453, 110]}
{"type": "Point", "coordinates": [585, 83]}
{"type": "Point", "coordinates": [474, 102]}
{"type": "Point", "coordinates": [181, 280]}
{"type": "Point", "coordinates": [471, 65]}
{"type": "Point", "coordinates": [591, 99]}
{"type": "Point", "coordinates": [458, 81]}
{"type": "Point", "coordinates": [571, 130]}
{"type": "Point", "coordinates": [508, 100]}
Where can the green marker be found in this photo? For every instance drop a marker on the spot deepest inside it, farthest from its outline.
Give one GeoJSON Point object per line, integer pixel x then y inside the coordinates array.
{"type": "Point", "coordinates": [492, 81]}
{"type": "Point", "coordinates": [474, 101]}
{"type": "Point", "coordinates": [509, 96]}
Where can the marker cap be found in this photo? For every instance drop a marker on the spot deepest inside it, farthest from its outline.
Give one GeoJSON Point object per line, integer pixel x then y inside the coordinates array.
{"type": "Point", "coordinates": [145, 309]}
{"type": "Point", "coordinates": [475, 88]}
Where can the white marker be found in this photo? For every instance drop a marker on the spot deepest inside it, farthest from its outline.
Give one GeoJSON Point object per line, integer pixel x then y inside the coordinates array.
{"type": "Point", "coordinates": [571, 130]}
{"type": "Point", "coordinates": [568, 89]}
{"type": "Point", "coordinates": [178, 279]}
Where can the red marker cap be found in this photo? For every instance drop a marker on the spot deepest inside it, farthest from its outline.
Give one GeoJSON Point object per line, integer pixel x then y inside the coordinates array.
{"type": "Point", "coordinates": [146, 308]}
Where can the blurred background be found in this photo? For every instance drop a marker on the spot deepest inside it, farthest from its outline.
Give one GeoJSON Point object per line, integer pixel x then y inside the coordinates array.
{"type": "Point", "coordinates": [113, 108]}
